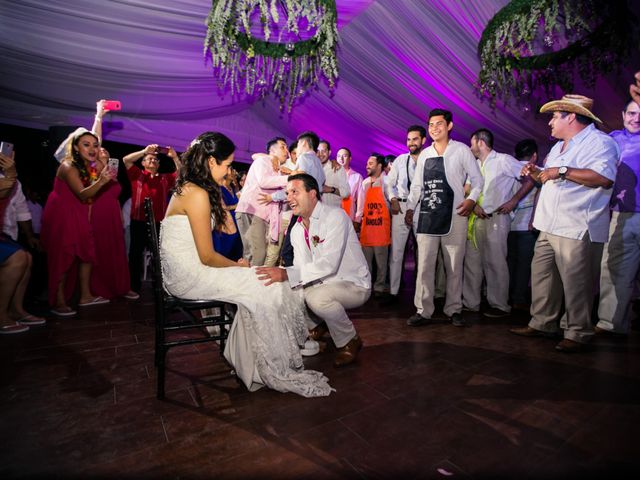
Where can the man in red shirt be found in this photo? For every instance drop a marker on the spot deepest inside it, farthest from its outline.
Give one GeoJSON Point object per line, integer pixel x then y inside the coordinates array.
{"type": "Point", "coordinates": [146, 182]}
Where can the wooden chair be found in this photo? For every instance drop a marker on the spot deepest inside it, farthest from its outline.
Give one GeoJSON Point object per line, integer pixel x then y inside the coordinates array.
{"type": "Point", "coordinates": [167, 307]}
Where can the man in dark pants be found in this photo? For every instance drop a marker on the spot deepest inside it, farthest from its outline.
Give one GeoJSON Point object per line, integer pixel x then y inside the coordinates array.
{"type": "Point", "coordinates": [522, 237]}
{"type": "Point", "coordinates": [146, 182]}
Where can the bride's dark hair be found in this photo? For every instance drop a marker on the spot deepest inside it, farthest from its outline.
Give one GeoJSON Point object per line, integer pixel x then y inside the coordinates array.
{"type": "Point", "coordinates": [195, 168]}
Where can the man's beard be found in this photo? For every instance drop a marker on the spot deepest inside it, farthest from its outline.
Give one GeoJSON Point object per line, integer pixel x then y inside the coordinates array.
{"type": "Point", "coordinates": [413, 149]}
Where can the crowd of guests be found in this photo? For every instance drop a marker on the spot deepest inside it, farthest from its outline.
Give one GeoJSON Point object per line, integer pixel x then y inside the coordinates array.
{"type": "Point", "coordinates": [492, 232]}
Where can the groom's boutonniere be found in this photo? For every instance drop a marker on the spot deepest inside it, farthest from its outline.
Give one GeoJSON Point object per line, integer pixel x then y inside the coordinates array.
{"type": "Point", "coordinates": [316, 240]}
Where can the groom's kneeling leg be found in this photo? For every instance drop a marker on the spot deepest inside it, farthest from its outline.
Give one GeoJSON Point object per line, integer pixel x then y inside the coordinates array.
{"type": "Point", "coordinates": [329, 301]}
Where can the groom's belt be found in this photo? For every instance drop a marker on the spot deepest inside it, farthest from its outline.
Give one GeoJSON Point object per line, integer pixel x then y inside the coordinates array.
{"type": "Point", "coordinates": [311, 284]}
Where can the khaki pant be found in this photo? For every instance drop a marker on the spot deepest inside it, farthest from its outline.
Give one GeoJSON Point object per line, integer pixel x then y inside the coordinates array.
{"type": "Point", "coordinates": [273, 249]}
{"type": "Point", "coordinates": [382, 256]}
{"type": "Point", "coordinates": [564, 268]}
{"type": "Point", "coordinates": [329, 301]}
{"type": "Point", "coordinates": [453, 248]}
{"type": "Point", "coordinates": [253, 232]}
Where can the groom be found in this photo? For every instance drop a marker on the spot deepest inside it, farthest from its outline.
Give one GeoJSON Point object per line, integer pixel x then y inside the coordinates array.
{"type": "Point", "coordinates": [328, 264]}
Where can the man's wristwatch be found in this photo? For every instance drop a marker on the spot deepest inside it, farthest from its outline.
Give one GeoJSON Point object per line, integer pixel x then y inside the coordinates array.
{"type": "Point", "coordinates": [562, 171]}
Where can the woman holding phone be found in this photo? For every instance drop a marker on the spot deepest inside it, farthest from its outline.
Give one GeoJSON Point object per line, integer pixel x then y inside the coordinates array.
{"type": "Point", "coordinates": [67, 234]}
{"type": "Point", "coordinates": [110, 275]}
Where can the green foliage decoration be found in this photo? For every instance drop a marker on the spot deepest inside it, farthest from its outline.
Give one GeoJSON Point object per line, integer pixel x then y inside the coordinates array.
{"type": "Point", "coordinates": [258, 66]}
{"type": "Point", "coordinates": [530, 47]}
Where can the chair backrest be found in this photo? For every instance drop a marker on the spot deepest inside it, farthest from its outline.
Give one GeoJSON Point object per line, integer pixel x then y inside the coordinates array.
{"type": "Point", "coordinates": [154, 243]}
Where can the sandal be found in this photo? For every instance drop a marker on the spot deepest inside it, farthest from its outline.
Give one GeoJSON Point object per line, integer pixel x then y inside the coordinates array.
{"type": "Point", "coordinates": [95, 301]}
{"type": "Point", "coordinates": [31, 320]}
{"type": "Point", "coordinates": [63, 312]}
{"type": "Point", "coordinates": [11, 329]}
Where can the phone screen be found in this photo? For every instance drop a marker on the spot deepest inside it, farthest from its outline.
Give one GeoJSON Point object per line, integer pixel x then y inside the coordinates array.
{"type": "Point", "coordinates": [113, 163]}
{"type": "Point", "coordinates": [6, 148]}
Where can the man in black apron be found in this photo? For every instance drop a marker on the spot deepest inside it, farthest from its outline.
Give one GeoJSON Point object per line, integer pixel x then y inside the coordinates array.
{"type": "Point", "coordinates": [438, 191]}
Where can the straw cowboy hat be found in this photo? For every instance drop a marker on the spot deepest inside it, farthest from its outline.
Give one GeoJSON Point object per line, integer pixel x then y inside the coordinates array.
{"type": "Point", "coordinates": [573, 104]}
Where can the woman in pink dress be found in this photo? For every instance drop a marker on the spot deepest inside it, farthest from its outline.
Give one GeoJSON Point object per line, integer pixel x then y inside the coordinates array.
{"type": "Point", "coordinates": [67, 235]}
{"type": "Point", "coordinates": [110, 275]}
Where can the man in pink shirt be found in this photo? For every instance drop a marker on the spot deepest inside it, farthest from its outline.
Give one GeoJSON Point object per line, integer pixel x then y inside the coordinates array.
{"type": "Point", "coordinates": [258, 222]}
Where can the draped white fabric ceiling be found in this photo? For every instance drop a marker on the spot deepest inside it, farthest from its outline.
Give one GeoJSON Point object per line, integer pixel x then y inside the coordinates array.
{"type": "Point", "coordinates": [398, 59]}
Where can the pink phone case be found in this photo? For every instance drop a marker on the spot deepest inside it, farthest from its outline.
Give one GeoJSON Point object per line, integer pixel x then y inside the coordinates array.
{"type": "Point", "coordinates": [112, 105]}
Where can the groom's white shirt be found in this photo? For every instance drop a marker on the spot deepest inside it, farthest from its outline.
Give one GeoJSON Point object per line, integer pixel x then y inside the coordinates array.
{"type": "Point", "coordinates": [333, 254]}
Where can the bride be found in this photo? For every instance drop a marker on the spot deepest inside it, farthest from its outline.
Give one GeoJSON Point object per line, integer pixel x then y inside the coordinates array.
{"type": "Point", "coordinates": [269, 327]}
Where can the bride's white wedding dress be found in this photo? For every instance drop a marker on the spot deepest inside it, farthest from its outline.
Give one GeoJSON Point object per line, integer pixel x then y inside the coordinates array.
{"type": "Point", "coordinates": [269, 328]}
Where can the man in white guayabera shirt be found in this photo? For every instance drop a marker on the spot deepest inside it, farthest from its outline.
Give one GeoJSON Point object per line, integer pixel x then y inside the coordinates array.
{"type": "Point", "coordinates": [573, 218]}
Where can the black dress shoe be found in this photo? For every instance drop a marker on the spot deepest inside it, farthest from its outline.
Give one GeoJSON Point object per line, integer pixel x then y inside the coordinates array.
{"type": "Point", "coordinates": [495, 313]}
{"type": "Point", "coordinates": [391, 299]}
{"type": "Point", "coordinates": [458, 321]}
{"type": "Point", "coordinates": [416, 320]}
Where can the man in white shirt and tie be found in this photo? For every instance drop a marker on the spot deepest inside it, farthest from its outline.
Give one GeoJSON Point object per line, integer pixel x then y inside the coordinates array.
{"type": "Point", "coordinates": [397, 186]}
{"type": "Point", "coordinates": [328, 264]}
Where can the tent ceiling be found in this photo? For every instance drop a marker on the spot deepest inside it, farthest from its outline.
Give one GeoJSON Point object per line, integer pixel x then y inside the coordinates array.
{"type": "Point", "coordinates": [398, 59]}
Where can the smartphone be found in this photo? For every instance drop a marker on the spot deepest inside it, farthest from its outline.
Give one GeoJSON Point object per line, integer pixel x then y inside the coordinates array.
{"type": "Point", "coordinates": [163, 150]}
{"type": "Point", "coordinates": [6, 148]}
{"type": "Point", "coordinates": [112, 105]}
{"type": "Point", "coordinates": [113, 164]}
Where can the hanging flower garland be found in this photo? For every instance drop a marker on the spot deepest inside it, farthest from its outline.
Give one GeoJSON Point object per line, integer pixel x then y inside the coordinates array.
{"type": "Point", "coordinates": [531, 46]}
{"type": "Point", "coordinates": [244, 63]}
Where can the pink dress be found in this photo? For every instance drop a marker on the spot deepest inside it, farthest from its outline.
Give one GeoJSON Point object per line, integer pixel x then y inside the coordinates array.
{"type": "Point", "coordinates": [110, 275]}
{"type": "Point", "coordinates": [66, 236]}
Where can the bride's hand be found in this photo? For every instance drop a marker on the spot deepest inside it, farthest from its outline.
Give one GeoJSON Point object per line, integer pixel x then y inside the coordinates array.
{"type": "Point", "coordinates": [243, 262]}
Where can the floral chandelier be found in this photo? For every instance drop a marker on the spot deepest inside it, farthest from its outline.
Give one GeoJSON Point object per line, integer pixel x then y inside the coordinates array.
{"type": "Point", "coordinates": [530, 47]}
{"type": "Point", "coordinates": [273, 46]}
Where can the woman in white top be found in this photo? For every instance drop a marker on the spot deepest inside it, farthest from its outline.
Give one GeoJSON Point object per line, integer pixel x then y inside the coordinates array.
{"type": "Point", "coordinates": [269, 327]}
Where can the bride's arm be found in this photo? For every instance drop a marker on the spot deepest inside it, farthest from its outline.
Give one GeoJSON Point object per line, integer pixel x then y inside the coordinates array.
{"type": "Point", "coordinates": [198, 210]}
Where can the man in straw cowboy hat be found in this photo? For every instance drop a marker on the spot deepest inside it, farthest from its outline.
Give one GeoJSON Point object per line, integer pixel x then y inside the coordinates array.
{"type": "Point", "coordinates": [573, 218]}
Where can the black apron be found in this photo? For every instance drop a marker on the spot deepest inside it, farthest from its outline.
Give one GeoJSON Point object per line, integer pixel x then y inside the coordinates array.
{"type": "Point", "coordinates": [436, 207]}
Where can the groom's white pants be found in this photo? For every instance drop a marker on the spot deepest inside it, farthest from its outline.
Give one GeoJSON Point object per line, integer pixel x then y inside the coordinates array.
{"type": "Point", "coordinates": [329, 301]}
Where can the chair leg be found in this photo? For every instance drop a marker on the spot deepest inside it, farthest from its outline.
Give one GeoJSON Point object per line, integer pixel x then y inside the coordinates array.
{"type": "Point", "coordinates": [161, 357]}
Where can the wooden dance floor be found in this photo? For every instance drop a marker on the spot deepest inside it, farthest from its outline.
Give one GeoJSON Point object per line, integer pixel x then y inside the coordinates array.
{"type": "Point", "coordinates": [77, 399]}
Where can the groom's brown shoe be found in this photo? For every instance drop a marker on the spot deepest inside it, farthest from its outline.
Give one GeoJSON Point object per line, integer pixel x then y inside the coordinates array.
{"type": "Point", "coordinates": [348, 353]}
{"type": "Point", "coordinates": [318, 331]}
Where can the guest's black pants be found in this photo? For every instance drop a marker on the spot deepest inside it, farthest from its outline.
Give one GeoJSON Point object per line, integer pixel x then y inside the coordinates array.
{"type": "Point", "coordinates": [139, 240]}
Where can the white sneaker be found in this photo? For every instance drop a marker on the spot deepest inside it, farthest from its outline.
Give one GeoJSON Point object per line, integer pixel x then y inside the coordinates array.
{"type": "Point", "coordinates": [311, 348]}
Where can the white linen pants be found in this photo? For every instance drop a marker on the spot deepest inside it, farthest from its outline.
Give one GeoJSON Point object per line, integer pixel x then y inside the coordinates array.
{"type": "Point", "coordinates": [453, 247]}
{"type": "Point", "coordinates": [399, 234]}
{"type": "Point", "coordinates": [488, 261]}
{"type": "Point", "coordinates": [329, 302]}
{"type": "Point", "coordinates": [620, 265]}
